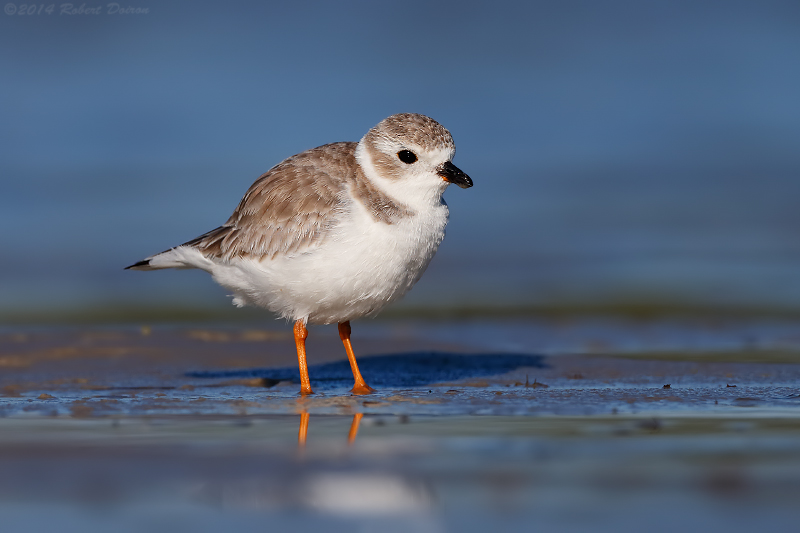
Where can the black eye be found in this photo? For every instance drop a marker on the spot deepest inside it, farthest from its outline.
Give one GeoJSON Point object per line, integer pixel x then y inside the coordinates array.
{"type": "Point", "coordinates": [406, 156]}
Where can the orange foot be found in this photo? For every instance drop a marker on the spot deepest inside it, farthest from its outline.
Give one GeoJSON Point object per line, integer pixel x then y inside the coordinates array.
{"type": "Point", "coordinates": [300, 335]}
{"type": "Point", "coordinates": [362, 388]}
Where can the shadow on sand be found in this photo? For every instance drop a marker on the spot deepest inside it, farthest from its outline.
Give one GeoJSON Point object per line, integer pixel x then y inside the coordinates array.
{"type": "Point", "coordinates": [393, 370]}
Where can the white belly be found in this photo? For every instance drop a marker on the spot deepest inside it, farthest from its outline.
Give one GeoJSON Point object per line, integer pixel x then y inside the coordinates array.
{"type": "Point", "coordinates": [357, 270]}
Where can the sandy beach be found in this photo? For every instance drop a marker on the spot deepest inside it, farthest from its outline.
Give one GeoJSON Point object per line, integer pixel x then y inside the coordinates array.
{"type": "Point", "coordinates": [475, 424]}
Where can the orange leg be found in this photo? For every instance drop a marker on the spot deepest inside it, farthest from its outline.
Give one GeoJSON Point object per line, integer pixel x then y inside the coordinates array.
{"type": "Point", "coordinates": [360, 386]}
{"type": "Point", "coordinates": [300, 334]}
{"type": "Point", "coordinates": [351, 438]}
{"type": "Point", "coordinates": [303, 433]}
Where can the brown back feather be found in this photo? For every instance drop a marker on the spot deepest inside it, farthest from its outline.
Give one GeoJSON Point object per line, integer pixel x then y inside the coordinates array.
{"type": "Point", "coordinates": [293, 205]}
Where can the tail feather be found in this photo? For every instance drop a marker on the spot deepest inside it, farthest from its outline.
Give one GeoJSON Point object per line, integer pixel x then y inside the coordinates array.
{"type": "Point", "coordinates": [179, 257]}
{"type": "Point", "coordinates": [141, 265]}
{"type": "Point", "coordinates": [187, 255]}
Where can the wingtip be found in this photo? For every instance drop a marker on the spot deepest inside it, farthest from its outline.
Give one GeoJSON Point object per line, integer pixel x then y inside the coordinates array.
{"type": "Point", "coordinates": [138, 265]}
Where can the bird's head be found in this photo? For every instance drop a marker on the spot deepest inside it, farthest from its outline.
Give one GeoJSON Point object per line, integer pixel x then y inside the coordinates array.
{"type": "Point", "coordinates": [408, 151]}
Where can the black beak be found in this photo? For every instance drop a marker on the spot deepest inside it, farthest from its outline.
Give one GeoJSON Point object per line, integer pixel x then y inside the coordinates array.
{"type": "Point", "coordinates": [449, 172]}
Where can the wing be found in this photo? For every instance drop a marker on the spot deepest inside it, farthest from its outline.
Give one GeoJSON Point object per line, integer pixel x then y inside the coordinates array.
{"type": "Point", "coordinates": [287, 210]}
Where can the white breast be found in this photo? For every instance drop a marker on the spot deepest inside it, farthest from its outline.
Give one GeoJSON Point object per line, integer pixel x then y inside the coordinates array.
{"type": "Point", "coordinates": [360, 267]}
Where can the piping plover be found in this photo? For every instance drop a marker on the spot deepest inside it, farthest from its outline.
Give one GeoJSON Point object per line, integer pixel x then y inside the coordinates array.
{"type": "Point", "coordinates": [334, 233]}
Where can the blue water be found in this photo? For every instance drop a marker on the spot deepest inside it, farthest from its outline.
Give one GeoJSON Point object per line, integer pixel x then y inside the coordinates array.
{"type": "Point", "coordinates": [621, 151]}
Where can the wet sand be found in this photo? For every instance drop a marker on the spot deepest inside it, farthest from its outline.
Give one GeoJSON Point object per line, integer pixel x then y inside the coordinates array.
{"type": "Point", "coordinates": [602, 424]}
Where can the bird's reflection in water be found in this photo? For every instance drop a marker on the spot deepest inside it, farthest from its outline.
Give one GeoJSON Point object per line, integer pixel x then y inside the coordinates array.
{"type": "Point", "coordinates": [302, 434]}
{"type": "Point", "coordinates": [351, 437]}
{"type": "Point", "coordinates": [331, 484]}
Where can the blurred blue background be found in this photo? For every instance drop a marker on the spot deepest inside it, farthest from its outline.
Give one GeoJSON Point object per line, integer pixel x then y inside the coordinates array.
{"type": "Point", "coordinates": [623, 153]}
